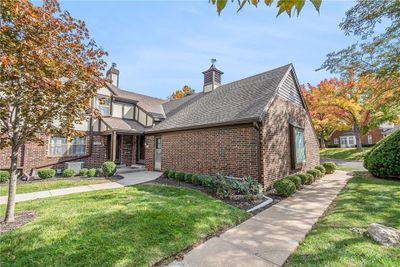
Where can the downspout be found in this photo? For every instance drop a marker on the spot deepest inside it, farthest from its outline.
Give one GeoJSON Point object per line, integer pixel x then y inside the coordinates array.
{"type": "Point", "coordinates": [259, 156]}
{"type": "Point", "coordinates": [72, 159]}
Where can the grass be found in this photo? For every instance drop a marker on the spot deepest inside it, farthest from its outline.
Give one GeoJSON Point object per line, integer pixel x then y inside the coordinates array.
{"type": "Point", "coordinates": [131, 226]}
{"type": "Point", "coordinates": [49, 185]}
{"type": "Point", "coordinates": [344, 153]}
{"type": "Point", "coordinates": [333, 241]}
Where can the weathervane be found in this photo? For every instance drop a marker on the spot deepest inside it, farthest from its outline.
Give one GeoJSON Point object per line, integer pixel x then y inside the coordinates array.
{"type": "Point", "coordinates": [213, 60]}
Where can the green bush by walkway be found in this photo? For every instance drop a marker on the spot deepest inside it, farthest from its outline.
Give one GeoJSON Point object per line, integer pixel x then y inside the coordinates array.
{"type": "Point", "coordinates": [383, 160]}
{"type": "Point", "coordinates": [131, 226]}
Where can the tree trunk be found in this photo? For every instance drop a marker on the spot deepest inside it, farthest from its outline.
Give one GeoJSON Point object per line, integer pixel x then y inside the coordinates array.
{"type": "Point", "coordinates": [12, 186]}
{"type": "Point", "coordinates": [357, 133]}
{"type": "Point", "coordinates": [322, 142]}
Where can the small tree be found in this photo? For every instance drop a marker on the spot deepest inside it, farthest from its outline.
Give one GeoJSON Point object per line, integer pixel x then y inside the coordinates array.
{"type": "Point", "coordinates": [186, 91]}
{"type": "Point", "coordinates": [49, 71]}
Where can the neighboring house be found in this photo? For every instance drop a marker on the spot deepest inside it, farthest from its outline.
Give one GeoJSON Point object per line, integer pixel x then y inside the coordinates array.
{"type": "Point", "coordinates": [347, 138]}
{"type": "Point", "coordinates": [258, 126]}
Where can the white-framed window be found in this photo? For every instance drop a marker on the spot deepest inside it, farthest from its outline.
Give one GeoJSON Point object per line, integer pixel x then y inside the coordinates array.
{"type": "Point", "coordinates": [62, 146]}
{"type": "Point", "coordinates": [102, 103]}
{"type": "Point", "coordinates": [351, 140]}
{"type": "Point", "coordinates": [369, 139]}
{"type": "Point", "coordinates": [335, 141]}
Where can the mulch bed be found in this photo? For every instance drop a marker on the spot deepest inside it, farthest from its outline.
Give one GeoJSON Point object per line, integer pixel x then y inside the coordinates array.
{"type": "Point", "coordinates": [21, 219]}
{"type": "Point", "coordinates": [238, 202]}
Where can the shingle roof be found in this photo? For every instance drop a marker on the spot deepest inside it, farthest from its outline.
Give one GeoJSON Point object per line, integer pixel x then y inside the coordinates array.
{"type": "Point", "coordinates": [150, 104]}
{"type": "Point", "coordinates": [123, 125]}
{"type": "Point", "coordinates": [239, 101]}
{"type": "Point", "coordinates": [173, 106]}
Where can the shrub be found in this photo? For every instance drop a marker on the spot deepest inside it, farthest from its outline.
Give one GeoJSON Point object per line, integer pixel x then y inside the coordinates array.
{"type": "Point", "coordinates": [109, 168]}
{"type": "Point", "coordinates": [83, 172]}
{"type": "Point", "coordinates": [321, 169]}
{"type": "Point", "coordinates": [383, 160]}
{"type": "Point", "coordinates": [304, 178]}
{"type": "Point", "coordinates": [251, 188]}
{"type": "Point", "coordinates": [330, 167]}
{"type": "Point", "coordinates": [310, 178]}
{"type": "Point", "coordinates": [319, 173]}
{"type": "Point", "coordinates": [224, 188]}
{"type": "Point", "coordinates": [46, 173]}
{"type": "Point", "coordinates": [91, 173]}
{"type": "Point", "coordinates": [188, 177]}
{"type": "Point", "coordinates": [180, 176]}
{"type": "Point", "coordinates": [165, 173]}
{"type": "Point", "coordinates": [210, 182]}
{"type": "Point", "coordinates": [4, 176]}
{"type": "Point", "coordinates": [69, 173]}
{"type": "Point", "coordinates": [171, 174]}
{"type": "Point", "coordinates": [314, 173]}
{"type": "Point", "coordinates": [196, 179]}
{"type": "Point", "coordinates": [284, 187]}
{"type": "Point", "coordinates": [296, 180]}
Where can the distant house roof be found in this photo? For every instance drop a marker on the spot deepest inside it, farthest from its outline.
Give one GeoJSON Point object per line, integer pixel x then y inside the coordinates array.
{"type": "Point", "coordinates": [391, 130]}
{"type": "Point", "coordinates": [240, 101]}
{"type": "Point", "coordinates": [150, 104]}
{"type": "Point", "coordinates": [123, 125]}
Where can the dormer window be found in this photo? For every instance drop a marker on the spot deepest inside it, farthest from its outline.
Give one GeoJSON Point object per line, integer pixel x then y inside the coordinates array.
{"type": "Point", "coordinates": [102, 103]}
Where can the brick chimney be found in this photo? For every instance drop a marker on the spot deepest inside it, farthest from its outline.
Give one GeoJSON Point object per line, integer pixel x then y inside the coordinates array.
{"type": "Point", "coordinates": [212, 79]}
{"type": "Point", "coordinates": [113, 74]}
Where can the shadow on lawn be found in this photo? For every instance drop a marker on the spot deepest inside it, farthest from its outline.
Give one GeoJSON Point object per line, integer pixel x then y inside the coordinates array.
{"type": "Point", "coordinates": [338, 239]}
{"type": "Point", "coordinates": [135, 229]}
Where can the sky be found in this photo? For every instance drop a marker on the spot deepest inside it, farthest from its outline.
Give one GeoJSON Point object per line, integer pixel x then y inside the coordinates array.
{"type": "Point", "coordinates": [160, 46]}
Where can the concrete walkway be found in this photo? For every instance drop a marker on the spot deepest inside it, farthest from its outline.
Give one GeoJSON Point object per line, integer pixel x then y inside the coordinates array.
{"type": "Point", "coordinates": [270, 237]}
{"type": "Point", "coordinates": [129, 179]}
{"type": "Point", "coordinates": [353, 164]}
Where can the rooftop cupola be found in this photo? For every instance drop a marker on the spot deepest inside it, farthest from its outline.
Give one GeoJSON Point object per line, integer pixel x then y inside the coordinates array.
{"type": "Point", "coordinates": [113, 74]}
{"type": "Point", "coordinates": [212, 78]}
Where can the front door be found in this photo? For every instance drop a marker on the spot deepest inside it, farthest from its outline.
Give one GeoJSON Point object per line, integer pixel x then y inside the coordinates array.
{"type": "Point", "coordinates": [157, 155]}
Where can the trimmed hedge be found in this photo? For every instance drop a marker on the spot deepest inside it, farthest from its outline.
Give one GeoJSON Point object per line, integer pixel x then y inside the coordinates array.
{"type": "Point", "coordinates": [91, 173]}
{"type": "Point", "coordinates": [284, 187]}
{"type": "Point", "coordinates": [295, 179]}
{"type": "Point", "coordinates": [305, 178]}
{"type": "Point", "coordinates": [69, 173]}
{"type": "Point", "coordinates": [319, 173]}
{"type": "Point", "coordinates": [109, 168]}
{"type": "Point", "coordinates": [83, 172]}
{"type": "Point", "coordinates": [4, 176]}
{"type": "Point", "coordinates": [314, 173]}
{"type": "Point", "coordinates": [171, 174]}
{"type": "Point", "coordinates": [330, 167]}
{"type": "Point", "coordinates": [180, 176]}
{"type": "Point", "coordinates": [321, 169]}
{"type": "Point", "coordinates": [383, 160]}
{"type": "Point", "coordinates": [165, 173]}
{"type": "Point", "coordinates": [46, 173]}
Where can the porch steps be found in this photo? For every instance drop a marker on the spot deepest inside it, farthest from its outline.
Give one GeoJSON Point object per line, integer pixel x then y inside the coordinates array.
{"type": "Point", "coordinates": [134, 168]}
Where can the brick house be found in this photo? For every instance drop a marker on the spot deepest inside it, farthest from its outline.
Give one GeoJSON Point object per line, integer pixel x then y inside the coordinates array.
{"type": "Point", "coordinates": [258, 126]}
{"type": "Point", "coordinates": [345, 139]}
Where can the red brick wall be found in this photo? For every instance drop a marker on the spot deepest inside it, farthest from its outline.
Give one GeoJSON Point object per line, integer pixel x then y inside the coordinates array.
{"type": "Point", "coordinates": [275, 143]}
{"type": "Point", "coordinates": [232, 150]}
{"type": "Point", "coordinates": [36, 156]}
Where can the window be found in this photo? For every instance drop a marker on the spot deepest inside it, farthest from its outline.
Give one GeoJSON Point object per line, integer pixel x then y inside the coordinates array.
{"type": "Point", "coordinates": [351, 140]}
{"type": "Point", "coordinates": [336, 141]}
{"type": "Point", "coordinates": [369, 139]}
{"type": "Point", "coordinates": [298, 154]}
{"type": "Point", "coordinates": [102, 103]}
{"type": "Point", "coordinates": [61, 146]}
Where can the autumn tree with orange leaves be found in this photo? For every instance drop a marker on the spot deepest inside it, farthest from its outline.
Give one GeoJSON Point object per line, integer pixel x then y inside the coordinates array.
{"type": "Point", "coordinates": [178, 94]}
{"type": "Point", "coordinates": [360, 104]}
{"type": "Point", "coordinates": [323, 118]}
{"type": "Point", "coordinates": [49, 71]}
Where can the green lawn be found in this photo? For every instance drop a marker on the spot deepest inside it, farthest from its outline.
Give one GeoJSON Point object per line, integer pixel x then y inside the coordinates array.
{"type": "Point", "coordinates": [332, 242]}
{"type": "Point", "coordinates": [49, 185]}
{"type": "Point", "coordinates": [344, 153]}
{"type": "Point", "coordinates": [131, 226]}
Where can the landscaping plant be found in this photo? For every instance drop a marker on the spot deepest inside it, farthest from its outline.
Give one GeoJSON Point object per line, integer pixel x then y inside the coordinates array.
{"type": "Point", "coordinates": [383, 160]}
{"type": "Point", "coordinates": [330, 167]}
{"type": "Point", "coordinates": [319, 173]}
{"type": "Point", "coordinates": [171, 174]}
{"type": "Point", "coordinates": [180, 176]}
{"type": "Point", "coordinates": [109, 168]}
{"type": "Point", "coordinates": [91, 172]}
{"type": "Point", "coordinates": [46, 173]}
{"type": "Point", "coordinates": [314, 173]}
{"type": "Point", "coordinates": [321, 169]}
{"type": "Point", "coordinates": [305, 178]}
{"type": "Point", "coordinates": [188, 177]}
{"type": "Point", "coordinates": [296, 180]}
{"type": "Point", "coordinates": [83, 172]}
{"type": "Point", "coordinates": [284, 187]}
{"type": "Point", "coordinates": [4, 176]}
{"type": "Point", "coordinates": [251, 188]}
{"type": "Point", "coordinates": [165, 173]}
{"type": "Point", "coordinates": [69, 173]}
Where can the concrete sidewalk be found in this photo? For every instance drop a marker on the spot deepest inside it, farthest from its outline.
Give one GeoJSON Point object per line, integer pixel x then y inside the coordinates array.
{"type": "Point", "coordinates": [129, 179]}
{"type": "Point", "coordinates": [270, 237]}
